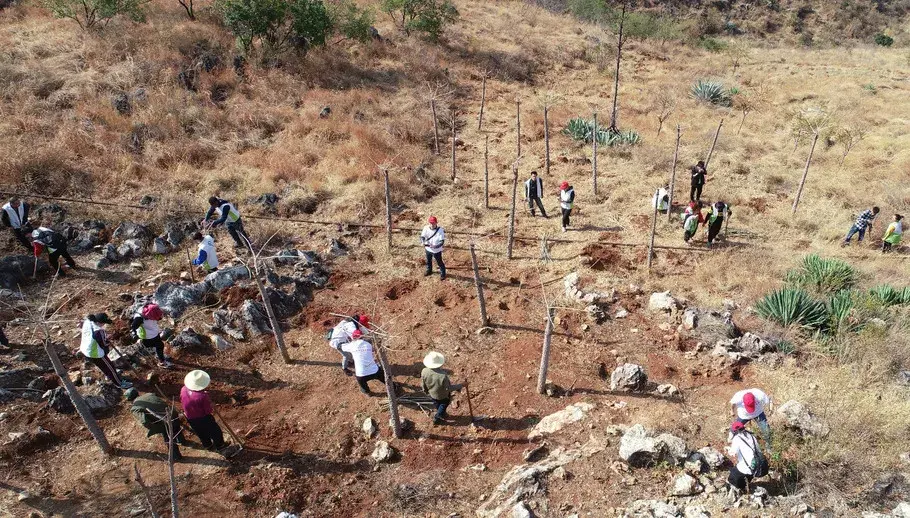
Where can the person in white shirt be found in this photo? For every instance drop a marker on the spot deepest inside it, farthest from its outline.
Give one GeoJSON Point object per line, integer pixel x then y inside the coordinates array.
{"type": "Point", "coordinates": [661, 200]}
{"type": "Point", "coordinates": [744, 453]}
{"type": "Point", "coordinates": [566, 202]}
{"type": "Point", "coordinates": [15, 216]}
{"type": "Point", "coordinates": [750, 404]}
{"type": "Point", "coordinates": [342, 333]}
{"type": "Point", "coordinates": [365, 366]}
{"type": "Point", "coordinates": [433, 238]}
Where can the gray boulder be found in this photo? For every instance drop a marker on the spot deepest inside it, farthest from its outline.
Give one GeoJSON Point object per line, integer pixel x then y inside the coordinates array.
{"type": "Point", "coordinates": [189, 338]}
{"type": "Point", "coordinates": [225, 278]}
{"type": "Point", "coordinates": [132, 248]}
{"type": "Point", "coordinates": [254, 318]}
{"type": "Point", "coordinates": [796, 416]}
{"type": "Point", "coordinates": [175, 298]}
{"type": "Point", "coordinates": [98, 397]}
{"type": "Point", "coordinates": [651, 509]}
{"type": "Point", "coordinates": [556, 422]}
{"type": "Point", "coordinates": [16, 270]}
{"type": "Point", "coordinates": [685, 485]}
{"type": "Point", "coordinates": [641, 448]}
{"type": "Point", "coordinates": [131, 230]}
{"type": "Point", "coordinates": [160, 246]}
{"type": "Point", "coordinates": [87, 236]}
{"type": "Point", "coordinates": [175, 231]}
{"type": "Point", "coordinates": [110, 253]}
{"type": "Point", "coordinates": [662, 301]}
{"type": "Point", "coordinates": [713, 458]}
{"type": "Point", "coordinates": [628, 377]}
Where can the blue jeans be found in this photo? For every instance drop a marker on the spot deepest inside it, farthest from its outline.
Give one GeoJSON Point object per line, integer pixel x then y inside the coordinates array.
{"type": "Point", "coordinates": [855, 230]}
{"type": "Point", "coordinates": [441, 407]}
{"type": "Point", "coordinates": [438, 257]}
{"type": "Point", "coordinates": [762, 421]}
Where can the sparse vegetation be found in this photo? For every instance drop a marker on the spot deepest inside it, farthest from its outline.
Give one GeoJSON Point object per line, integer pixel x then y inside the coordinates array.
{"type": "Point", "coordinates": [90, 14]}
{"type": "Point", "coordinates": [427, 17]}
{"type": "Point", "coordinates": [713, 92]}
{"type": "Point", "coordinates": [582, 129]}
{"type": "Point", "coordinates": [823, 276]}
{"type": "Point", "coordinates": [277, 24]}
{"type": "Point", "coordinates": [884, 40]}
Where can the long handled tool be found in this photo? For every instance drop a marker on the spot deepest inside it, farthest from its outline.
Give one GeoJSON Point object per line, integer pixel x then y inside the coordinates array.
{"type": "Point", "coordinates": [190, 260]}
{"type": "Point", "coordinates": [467, 393]}
{"type": "Point", "coordinates": [35, 271]}
{"type": "Point", "coordinates": [229, 429]}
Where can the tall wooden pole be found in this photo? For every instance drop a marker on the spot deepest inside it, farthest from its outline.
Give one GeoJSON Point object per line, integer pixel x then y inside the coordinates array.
{"type": "Point", "coordinates": [454, 113]}
{"type": "Point", "coordinates": [714, 143]}
{"type": "Point", "coordinates": [673, 174]}
{"type": "Point", "coordinates": [518, 125]}
{"type": "Point", "coordinates": [512, 213]}
{"type": "Point", "coordinates": [594, 154]}
{"type": "Point", "coordinates": [619, 43]}
{"type": "Point", "coordinates": [546, 139]}
{"type": "Point", "coordinates": [81, 407]}
{"type": "Point", "coordinates": [390, 389]}
{"type": "Point", "coordinates": [653, 230]}
{"type": "Point", "coordinates": [486, 172]}
{"type": "Point", "coordinates": [146, 492]}
{"type": "Point", "coordinates": [545, 355]}
{"type": "Point", "coordinates": [388, 211]}
{"type": "Point", "coordinates": [273, 319]}
{"type": "Point", "coordinates": [484, 321]}
{"type": "Point", "coordinates": [435, 127]}
{"type": "Point", "coordinates": [802, 183]}
{"type": "Point", "coordinates": [483, 100]}
{"type": "Point", "coordinates": [171, 446]}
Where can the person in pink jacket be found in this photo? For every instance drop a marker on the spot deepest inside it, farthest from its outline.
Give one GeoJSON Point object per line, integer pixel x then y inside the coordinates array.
{"type": "Point", "coordinates": [197, 407]}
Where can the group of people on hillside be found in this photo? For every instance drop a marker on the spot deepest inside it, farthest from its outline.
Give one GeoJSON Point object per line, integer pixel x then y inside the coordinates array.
{"type": "Point", "coordinates": [534, 198]}
{"type": "Point", "coordinates": [864, 223]}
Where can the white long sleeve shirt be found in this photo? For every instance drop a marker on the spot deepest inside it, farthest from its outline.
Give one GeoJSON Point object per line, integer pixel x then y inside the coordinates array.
{"type": "Point", "coordinates": [362, 351]}
{"type": "Point", "coordinates": [341, 333]}
{"type": "Point", "coordinates": [432, 239]}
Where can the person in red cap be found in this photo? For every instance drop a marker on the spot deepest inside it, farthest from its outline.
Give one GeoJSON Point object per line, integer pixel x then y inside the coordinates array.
{"type": "Point", "coordinates": [343, 333]}
{"type": "Point", "coordinates": [365, 366]}
{"type": "Point", "coordinates": [750, 404]}
{"type": "Point", "coordinates": [566, 202]}
{"type": "Point", "coordinates": [746, 457]}
{"type": "Point", "coordinates": [432, 238]}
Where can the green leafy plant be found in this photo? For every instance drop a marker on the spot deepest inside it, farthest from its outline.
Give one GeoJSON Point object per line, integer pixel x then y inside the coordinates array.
{"type": "Point", "coordinates": [888, 296]}
{"type": "Point", "coordinates": [89, 14]}
{"type": "Point", "coordinates": [713, 44]}
{"type": "Point", "coordinates": [278, 24]}
{"type": "Point", "coordinates": [428, 17]}
{"type": "Point", "coordinates": [793, 306]}
{"type": "Point", "coordinates": [823, 276]}
{"type": "Point", "coordinates": [841, 319]}
{"type": "Point", "coordinates": [884, 40]}
{"type": "Point", "coordinates": [713, 92]}
{"type": "Point", "coordinates": [350, 21]}
{"type": "Point", "coordinates": [581, 129]}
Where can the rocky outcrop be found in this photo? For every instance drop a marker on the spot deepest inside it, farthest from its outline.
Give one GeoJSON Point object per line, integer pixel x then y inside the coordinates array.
{"type": "Point", "coordinates": [640, 447]}
{"type": "Point", "coordinates": [556, 422]}
{"type": "Point", "coordinates": [628, 377]}
{"type": "Point", "coordinates": [176, 298]}
{"type": "Point", "coordinates": [797, 416]}
{"type": "Point", "coordinates": [663, 301]}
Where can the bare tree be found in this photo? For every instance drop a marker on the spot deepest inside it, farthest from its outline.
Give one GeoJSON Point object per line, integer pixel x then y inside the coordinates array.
{"type": "Point", "coordinates": [454, 123]}
{"type": "Point", "coordinates": [257, 272]}
{"type": "Point", "coordinates": [673, 174]}
{"type": "Point", "coordinates": [620, 41]}
{"type": "Point", "coordinates": [737, 53]}
{"type": "Point", "coordinates": [483, 98]}
{"type": "Point", "coordinates": [486, 172]}
{"type": "Point", "coordinates": [664, 104]}
{"type": "Point", "coordinates": [436, 93]}
{"type": "Point", "coordinates": [809, 122]}
{"type": "Point", "coordinates": [478, 284]}
{"type": "Point", "coordinates": [389, 385]}
{"type": "Point", "coordinates": [188, 7]}
{"type": "Point", "coordinates": [545, 352]}
{"type": "Point", "coordinates": [754, 100]}
{"type": "Point", "coordinates": [548, 100]}
{"type": "Point", "coordinates": [847, 137]}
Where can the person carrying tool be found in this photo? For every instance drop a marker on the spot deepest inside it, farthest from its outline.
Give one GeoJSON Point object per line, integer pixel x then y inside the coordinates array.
{"type": "Point", "coordinates": [566, 202]}
{"type": "Point", "coordinates": [43, 238]}
{"type": "Point", "coordinates": [94, 347]}
{"type": "Point", "coordinates": [893, 234]}
{"type": "Point", "coordinates": [151, 412]}
{"type": "Point", "coordinates": [208, 256]}
{"type": "Point", "coordinates": [229, 216]}
{"type": "Point", "coordinates": [715, 219]}
{"type": "Point", "coordinates": [145, 327]}
{"type": "Point", "coordinates": [746, 458]}
{"type": "Point", "coordinates": [343, 333]}
{"type": "Point", "coordinates": [534, 194]}
{"type": "Point", "coordinates": [365, 366]}
{"type": "Point", "coordinates": [435, 382]}
{"type": "Point", "coordinates": [698, 180]}
{"type": "Point", "coordinates": [750, 404]}
{"type": "Point", "coordinates": [15, 216]}
{"type": "Point", "coordinates": [863, 223]}
{"type": "Point", "coordinates": [197, 407]}
{"type": "Point", "coordinates": [433, 237]}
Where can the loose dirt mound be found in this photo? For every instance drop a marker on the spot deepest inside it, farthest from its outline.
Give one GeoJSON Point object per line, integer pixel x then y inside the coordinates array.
{"type": "Point", "coordinates": [600, 257]}
{"type": "Point", "coordinates": [235, 296]}
{"type": "Point", "coordinates": [399, 288]}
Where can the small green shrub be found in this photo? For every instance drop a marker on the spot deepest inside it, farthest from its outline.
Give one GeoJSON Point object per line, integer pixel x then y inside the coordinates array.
{"type": "Point", "coordinates": [713, 44]}
{"type": "Point", "coordinates": [888, 296]}
{"type": "Point", "coordinates": [823, 276]}
{"type": "Point", "coordinates": [91, 13]}
{"type": "Point", "coordinates": [793, 306]}
{"type": "Point", "coordinates": [871, 88]}
{"type": "Point", "coordinates": [713, 92]}
{"type": "Point", "coordinates": [785, 347]}
{"type": "Point", "coordinates": [428, 17]}
{"type": "Point", "coordinates": [278, 24]}
{"type": "Point", "coordinates": [841, 317]}
{"type": "Point", "coordinates": [581, 129]}
{"type": "Point", "coordinates": [351, 21]}
{"type": "Point", "coordinates": [884, 40]}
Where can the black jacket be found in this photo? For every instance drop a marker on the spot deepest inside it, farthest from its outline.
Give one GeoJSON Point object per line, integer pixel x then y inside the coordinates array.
{"type": "Point", "coordinates": [698, 175]}
{"type": "Point", "coordinates": [529, 186]}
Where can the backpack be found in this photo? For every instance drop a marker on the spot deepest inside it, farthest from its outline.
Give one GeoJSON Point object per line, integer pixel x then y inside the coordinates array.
{"type": "Point", "coordinates": [759, 464]}
{"type": "Point", "coordinates": [152, 311]}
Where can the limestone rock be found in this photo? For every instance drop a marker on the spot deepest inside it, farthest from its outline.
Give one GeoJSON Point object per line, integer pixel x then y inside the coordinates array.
{"type": "Point", "coordinates": [159, 246]}
{"type": "Point", "coordinates": [628, 377]}
{"type": "Point", "coordinates": [696, 511]}
{"type": "Point", "coordinates": [713, 458]}
{"type": "Point", "coordinates": [383, 452]}
{"type": "Point", "coordinates": [254, 318]}
{"type": "Point", "coordinates": [667, 389]}
{"type": "Point", "coordinates": [556, 422]}
{"type": "Point", "coordinates": [662, 301]}
{"type": "Point", "coordinates": [369, 427]}
{"type": "Point", "coordinates": [220, 343]}
{"type": "Point", "coordinates": [685, 485]}
{"type": "Point", "coordinates": [651, 509]}
{"type": "Point", "coordinates": [520, 510]}
{"type": "Point", "coordinates": [225, 278]}
{"type": "Point", "coordinates": [640, 448]}
{"type": "Point", "coordinates": [795, 415]}
{"type": "Point", "coordinates": [176, 298]}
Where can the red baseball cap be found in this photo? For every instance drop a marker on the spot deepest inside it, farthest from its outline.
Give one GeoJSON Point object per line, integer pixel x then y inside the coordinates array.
{"type": "Point", "coordinates": [364, 320]}
{"type": "Point", "coordinates": [749, 402]}
{"type": "Point", "coordinates": [356, 334]}
{"type": "Point", "coordinates": [432, 220]}
{"type": "Point", "coordinates": [564, 185]}
{"type": "Point", "coordinates": [737, 426]}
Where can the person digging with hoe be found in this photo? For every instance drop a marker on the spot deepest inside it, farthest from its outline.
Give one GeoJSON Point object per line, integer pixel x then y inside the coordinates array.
{"type": "Point", "coordinates": [343, 333]}
{"type": "Point", "coordinates": [365, 367]}
{"type": "Point", "coordinates": [197, 407]}
{"type": "Point", "coordinates": [229, 216]}
{"type": "Point", "coordinates": [862, 224]}
{"type": "Point", "coordinates": [43, 238]}
{"type": "Point", "coordinates": [94, 347]}
{"type": "Point", "coordinates": [433, 237]}
{"type": "Point", "coordinates": [436, 384]}
{"type": "Point", "coordinates": [151, 411]}
{"type": "Point", "coordinates": [748, 405]}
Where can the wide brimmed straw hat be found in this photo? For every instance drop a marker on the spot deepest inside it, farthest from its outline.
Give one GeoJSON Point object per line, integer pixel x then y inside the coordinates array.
{"type": "Point", "coordinates": [197, 380]}
{"type": "Point", "coordinates": [434, 360]}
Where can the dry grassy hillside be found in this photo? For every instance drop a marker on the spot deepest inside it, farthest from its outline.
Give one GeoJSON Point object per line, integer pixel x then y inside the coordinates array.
{"type": "Point", "coordinates": [242, 135]}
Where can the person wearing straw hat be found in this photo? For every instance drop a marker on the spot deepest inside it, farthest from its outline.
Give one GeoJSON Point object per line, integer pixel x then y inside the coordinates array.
{"type": "Point", "coordinates": [436, 384]}
{"type": "Point", "coordinates": [365, 366]}
{"type": "Point", "coordinates": [197, 407]}
{"type": "Point", "coordinates": [150, 410]}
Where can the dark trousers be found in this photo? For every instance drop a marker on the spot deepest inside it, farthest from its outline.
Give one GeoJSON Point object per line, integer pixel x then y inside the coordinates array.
{"type": "Point", "coordinates": [238, 234]}
{"type": "Point", "coordinates": [536, 201]}
{"type": "Point", "coordinates": [20, 235]}
{"type": "Point", "coordinates": [438, 257]}
{"type": "Point", "coordinates": [695, 192]}
{"type": "Point", "coordinates": [3, 340]}
{"type": "Point", "coordinates": [688, 235]}
{"type": "Point", "coordinates": [362, 380]}
{"type": "Point", "coordinates": [106, 367]}
{"type": "Point", "coordinates": [53, 258]}
{"type": "Point", "coordinates": [565, 217]}
{"type": "Point", "coordinates": [208, 431]}
{"type": "Point", "coordinates": [178, 437]}
{"type": "Point", "coordinates": [887, 247]}
{"type": "Point", "coordinates": [738, 480]}
{"type": "Point", "coordinates": [714, 228]}
{"type": "Point", "coordinates": [441, 406]}
{"type": "Point", "coordinates": [157, 344]}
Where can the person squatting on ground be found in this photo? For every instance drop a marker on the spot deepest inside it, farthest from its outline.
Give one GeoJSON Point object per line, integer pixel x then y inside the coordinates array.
{"type": "Point", "coordinates": [750, 404]}
{"type": "Point", "coordinates": [343, 333]}
{"type": "Point", "coordinates": [94, 347]}
{"type": "Point", "coordinates": [151, 412]}
{"type": "Point", "coordinates": [715, 219]}
{"type": "Point", "coordinates": [208, 256]}
{"type": "Point", "coordinates": [690, 225]}
{"type": "Point", "coordinates": [534, 194]}
{"type": "Point", "coordinates": [433, 237]}
{"type": "Point", "coordinates": [661, 200]}
{"type": "Point", "coordinates": [15, 216]}
{"type": "Point", "coordinates": [43, 238]}
{"type": "Point", "coordinates": [863, 223]}
{"type": "Point", "coordinates": [435, 382]}
{"type": "Point", "coordinates": [145, 327]}
{"type": "Point", "coordinates": [229, 216]}
{"type": "Point", "coordinates": [566, 202]}
{"type": "Point", "coordinates": [698, 180]}
{"type": "Point", "coordinates": [746, 457]}
{"type": "Point", "coordinates": [893, 234]}
{"type": "Point", "coordinates": [365, 366]}
{"type": "Point", "coordinates": [197, 407]}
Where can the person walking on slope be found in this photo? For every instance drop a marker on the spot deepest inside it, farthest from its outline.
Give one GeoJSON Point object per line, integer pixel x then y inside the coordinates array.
{"type": "Point", "coordinates": [197, 407]}
{"type": "Point", "coordinates": [229, 216]}
{"type": "Point", "coordinates": [534, 194]}
{"type": "Point", "coordinates": [433, 237]}
{"type": "Point", "coordinates": [863, 223]}
{"type": "Point", "coordinates": [715, 219]}
{"type": "Point", "coordinates": [15, 216]}
{"type": "Point", "coordinates": [435, 382]}
{"type": "Point", "coordinates": [566, 202]}
{"type": "Point", "coordinates": [342, 333]}
{"type": "Point", "coordinates": [746, 458]}
{"type": "Point", "coordinates": [94, 347]}
{"type": "Point", "coordinates": [208, 256]}
{"type": "Point", "coordinates": [893, 234]}
{"type": "Point", "coordinates": [43, 238]}
{"type": "Point", "coordinates": [153, 414]}
{"type": "Point", "coordinates": [365, 366]}
{"type": "Point", "coordinates": [750, 404]}
{"type": "Point", "coordinates": [698, 180]}
{"type": "Point", "coordinates": [145, 327]}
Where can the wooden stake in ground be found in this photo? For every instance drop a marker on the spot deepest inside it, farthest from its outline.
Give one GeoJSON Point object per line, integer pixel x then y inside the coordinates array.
{"type": "Point", "coordinates": [545, 355]}
{"type": "Point", "coordinates": [653, 230]}
{"type": "Point", "coordinates": [714, 143]}
{"type": "Point", "coordinates": [802, 183]}
{"type": "Point", "coordinates": [483, 101]}
{"type": "Point", "coordinates": [81, 407]}
{"type": "Point", "coordinates": [594, 154]}
{"type": "Point", "coordinates": [435, 127]}
{"type": "Point", "coordinates": [454, 138]}
{"type": "Point", "coordinates": [673, 174]}
{"type": "Point", "coordinates": [146, 492]}
{"type": "Point", "coordinates": [620, 41]}
{"type": "Point", "coordinates": [388, 211]}
{"type": "Point", "coordinates": [486, 172]}
{"type": "Point", "coordinates": [512, 213]}
{"type": "Point", "coordinates": [546, 139]}
{"type": "Point", "coordinates": [484, 321]}
{"type": "Point", "coordinates": [172, 445]}
{"type": "Point", "coordinates": [390, 388]}
{"type": "Point", "coordinates": [467, 393]}
{"type": "Point", "coordinates": [518, 126]}
{"type": "Point", "coordinates": [273, 320]}
{"type": "Point", "coordinates": [189, 260]}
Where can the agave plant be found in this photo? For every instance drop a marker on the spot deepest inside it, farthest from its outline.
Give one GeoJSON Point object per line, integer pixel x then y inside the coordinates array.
{"type": "Point", "coordinates": [581, 129]}
{"type": "Point", "coordinates": [713, 92]}
{"type": "Point", "coordinates": [823, 276]}
{"type": "Point", "coordinates": [793, 306]}
{"type": "Point", "coordinates": [840, 313]}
